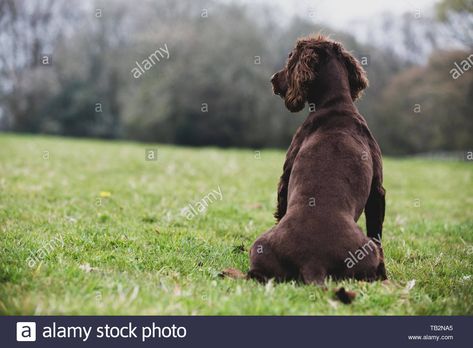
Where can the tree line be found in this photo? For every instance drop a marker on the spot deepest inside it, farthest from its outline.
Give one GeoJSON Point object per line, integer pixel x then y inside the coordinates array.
{"type": "Point", "coordinates": [73, 71]}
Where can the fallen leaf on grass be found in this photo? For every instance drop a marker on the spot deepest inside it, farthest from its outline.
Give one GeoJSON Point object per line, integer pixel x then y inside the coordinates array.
{"type": "Point", "coordinates": [332, 303]}
{"type": "Point", "coordinates": [86, 268]}
{"type": "Point", "coordinates": [71, 219]}
{"type": "Point", "coordinates": [232, 273]}
{"type": "Point", "coordinates": [410, 284]}
{"type": "Point", "coordinates": [105, 194]}
{"type": "Point", "coordinates": [345, 296]}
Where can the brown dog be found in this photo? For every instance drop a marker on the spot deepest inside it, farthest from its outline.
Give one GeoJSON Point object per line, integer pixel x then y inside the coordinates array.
{"type": "Point", "coordinates": [333, 172]}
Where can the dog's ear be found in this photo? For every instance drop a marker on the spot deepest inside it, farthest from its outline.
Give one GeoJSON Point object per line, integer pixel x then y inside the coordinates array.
{"type": "Point", "coordinates": [356, 74]}
{"type": "Point", "coordinates": [301, 72]}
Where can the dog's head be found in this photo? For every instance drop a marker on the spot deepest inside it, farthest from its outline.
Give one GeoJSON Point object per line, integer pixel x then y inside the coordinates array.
{"type": "Point", "coordinates": [304, 64]}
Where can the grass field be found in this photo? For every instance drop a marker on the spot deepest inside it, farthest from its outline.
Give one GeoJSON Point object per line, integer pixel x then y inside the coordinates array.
{"type": "Point", "coordinates": [91, 227]}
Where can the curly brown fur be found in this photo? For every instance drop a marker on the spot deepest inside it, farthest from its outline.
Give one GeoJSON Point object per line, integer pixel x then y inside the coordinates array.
{"type": "Point", "coordinates": [334, 160]}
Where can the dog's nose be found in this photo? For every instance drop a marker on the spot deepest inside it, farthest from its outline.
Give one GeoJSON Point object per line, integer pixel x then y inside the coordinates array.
{"type": "Point", "coordinates": [273, 77]}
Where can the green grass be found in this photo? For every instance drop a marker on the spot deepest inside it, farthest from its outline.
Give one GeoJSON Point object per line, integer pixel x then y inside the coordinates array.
{"type": "Point", "coordinates": [135, 253]}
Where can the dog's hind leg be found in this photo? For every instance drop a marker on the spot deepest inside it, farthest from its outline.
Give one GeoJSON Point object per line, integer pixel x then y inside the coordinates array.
{"type": "Point", "coordinates": [381, 270]}
{"type": "Point", "coordinates": [282, 197]}
{"type": "Point", "coordinates": [374, 212]}
{"type": "Point", "coordinates": [376, 203]}
{"type": "Point", "coordinates": [264, 261]}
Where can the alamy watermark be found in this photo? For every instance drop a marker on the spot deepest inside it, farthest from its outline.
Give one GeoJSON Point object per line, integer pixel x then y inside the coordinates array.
{"type": "Point", "coordinates": [48, 247]}
{"type": "Point", "coordinates": [151, 154]}
{"type": "Point", "coordinates": [193, 209]}
{"type": "Point", "coordinates": [362, 252]}
{"type": "Point", "coordinates": [468, 155]}
{"type": "Point", "coordinates": [150, 61]}
{"type": "Point", "coordinates": [460, 69]}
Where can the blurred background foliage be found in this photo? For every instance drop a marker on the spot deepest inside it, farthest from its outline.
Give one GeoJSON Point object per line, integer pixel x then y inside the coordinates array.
{"type": "Point", "coordinates": [214, 89]}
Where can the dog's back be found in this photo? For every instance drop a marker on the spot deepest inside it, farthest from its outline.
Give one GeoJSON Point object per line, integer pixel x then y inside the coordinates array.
{"type": "Point", "coordinates": [333, 167]}
{"type": "Point", "coordinates": [328, 188]}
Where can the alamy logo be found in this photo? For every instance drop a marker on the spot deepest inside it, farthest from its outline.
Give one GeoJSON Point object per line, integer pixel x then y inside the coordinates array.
{"type": "Point", "coordinates": [26, 331]}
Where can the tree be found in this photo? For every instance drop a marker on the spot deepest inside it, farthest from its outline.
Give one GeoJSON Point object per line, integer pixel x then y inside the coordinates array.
{"type": "Point", "coordinates": [425, 109]}
{"type": "Point", "coordinates": [458, 18]}
{"type": "Point", "coordinates": [28, 30]}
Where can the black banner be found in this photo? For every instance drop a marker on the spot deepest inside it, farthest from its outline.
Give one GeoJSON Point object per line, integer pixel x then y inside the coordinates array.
{"type": "Point", "coordinates": [123, 331]}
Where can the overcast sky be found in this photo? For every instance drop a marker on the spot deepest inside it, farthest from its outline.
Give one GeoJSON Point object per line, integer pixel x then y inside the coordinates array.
{"type": "Point", "coordinates": [339, 13]}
